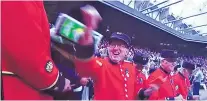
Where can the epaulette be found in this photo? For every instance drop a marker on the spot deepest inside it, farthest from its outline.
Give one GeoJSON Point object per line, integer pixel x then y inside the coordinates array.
{"type": "Point", "coordinates": [99, 63]}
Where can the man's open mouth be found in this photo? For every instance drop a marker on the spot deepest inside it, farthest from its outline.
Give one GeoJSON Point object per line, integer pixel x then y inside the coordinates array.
{"type": "Point", "coordinates": [116, 53]}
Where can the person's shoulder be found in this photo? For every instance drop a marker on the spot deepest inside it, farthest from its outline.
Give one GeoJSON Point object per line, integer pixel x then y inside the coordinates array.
{"type": "Point", "coordinates": [98, 61]}
{"type": "Point", "coordinates": [101, 61]}
{"type": "Point", "coordinates": [176, 76]}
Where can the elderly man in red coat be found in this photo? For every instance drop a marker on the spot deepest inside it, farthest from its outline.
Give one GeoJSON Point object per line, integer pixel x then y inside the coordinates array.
{"type": "Point", "coordinates": [28, 72]}
{"type": "Point", "coordinates": [182, 81]}
{"type": "Point", "coordinates": [163, 80]}
{"type": "Point", "coordinates": [114, 78]}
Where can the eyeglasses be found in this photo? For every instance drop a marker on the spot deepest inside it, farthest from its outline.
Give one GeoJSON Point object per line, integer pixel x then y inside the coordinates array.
{"type": "Point", "coordinates": [115, 45]}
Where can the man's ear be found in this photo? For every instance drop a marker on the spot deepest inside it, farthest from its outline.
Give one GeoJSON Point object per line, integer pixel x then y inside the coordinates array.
{"type": "Point", "coordinates": [127, 51]}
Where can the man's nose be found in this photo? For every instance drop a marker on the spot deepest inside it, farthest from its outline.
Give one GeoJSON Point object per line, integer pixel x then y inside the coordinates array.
{"type": "Point", "coordinates": [116, 46]}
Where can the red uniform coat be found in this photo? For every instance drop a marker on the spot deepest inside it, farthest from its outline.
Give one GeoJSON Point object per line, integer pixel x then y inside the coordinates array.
{"type": "Point", "coordinates": [26, 51]}
{"type": "Point", "coordinates": [182, 84]}
{"type": "Point", "coordinates": [167, 88]}
{"type": "Point", "coordinates": [112, 81]}
{"type": "Point", "coordinates": [141, 80]}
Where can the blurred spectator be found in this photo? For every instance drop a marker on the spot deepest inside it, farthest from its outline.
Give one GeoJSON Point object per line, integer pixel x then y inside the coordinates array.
{"type": "Point", "coordinates": [197, 82]}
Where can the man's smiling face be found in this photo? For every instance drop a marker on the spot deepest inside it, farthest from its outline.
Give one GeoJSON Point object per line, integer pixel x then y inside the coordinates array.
{"type": "Point", "coordinates": [117, 50]}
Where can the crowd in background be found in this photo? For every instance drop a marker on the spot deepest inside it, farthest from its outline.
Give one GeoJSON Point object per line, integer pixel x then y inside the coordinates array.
{"type": "Point", "coordinates": [155, 57]}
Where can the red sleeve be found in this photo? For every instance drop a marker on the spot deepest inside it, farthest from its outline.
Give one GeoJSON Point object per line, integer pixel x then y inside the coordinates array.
{"type": "Point", "coordinates": [182, 90]}
{"type": "Point", "coordinates": [150, 80]}
{"type": "Point", "coordinates": [89, 68]}
{"type": "Point", "coordinates": [26, 43]}
{"type": "Point", "coordinates": [153, 79]}
{"type": "Point", "coordinates": [155, 96]}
